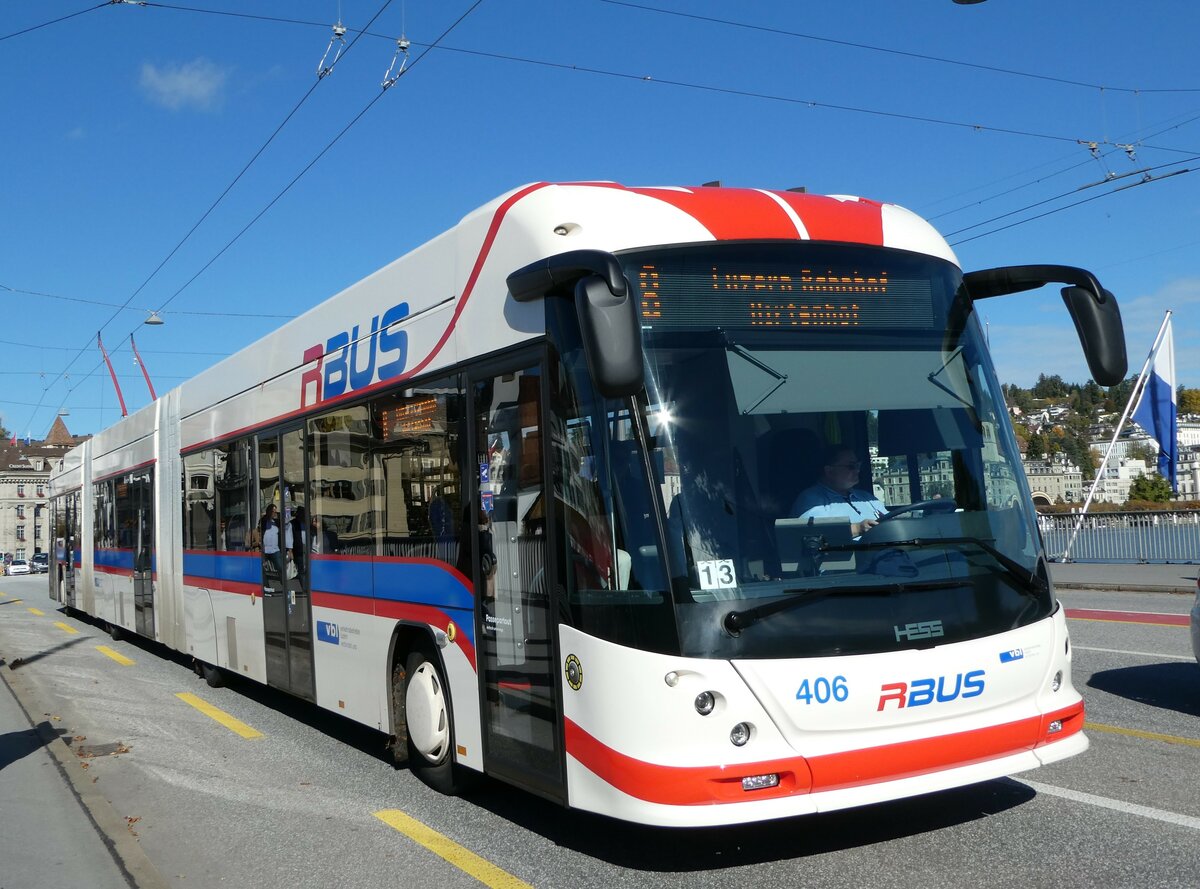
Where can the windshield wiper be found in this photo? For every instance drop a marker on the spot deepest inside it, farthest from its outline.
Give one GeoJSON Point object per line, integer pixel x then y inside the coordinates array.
{"type": "Point", "coordinates": [736, 621]}
{"type": "Point", "coordinates": [1029, 581]}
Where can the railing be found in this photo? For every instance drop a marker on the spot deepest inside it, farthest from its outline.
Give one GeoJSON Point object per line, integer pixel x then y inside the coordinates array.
{"type": "Point", "coordinates": [1125, 536]}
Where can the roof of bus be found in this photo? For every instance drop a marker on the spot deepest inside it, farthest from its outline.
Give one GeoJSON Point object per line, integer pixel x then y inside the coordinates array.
{"type": "Point", "coordinates": [520, 226]}
{"type": "Point", "coordinates": [700, 213]}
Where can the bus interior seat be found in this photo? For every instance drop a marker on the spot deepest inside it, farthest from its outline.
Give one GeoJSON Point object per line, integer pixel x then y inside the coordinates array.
{"type": "Point", "coordinates": [789, 461]}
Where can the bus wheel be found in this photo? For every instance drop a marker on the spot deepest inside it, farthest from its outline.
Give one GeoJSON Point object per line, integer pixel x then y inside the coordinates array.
{"type": "Point", "coordinates": [214, 676]}
{"type": "Point", "coordinates": [430, 733]}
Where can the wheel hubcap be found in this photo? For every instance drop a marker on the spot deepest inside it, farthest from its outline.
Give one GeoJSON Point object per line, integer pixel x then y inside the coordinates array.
{"type": "Point", "coordinates": [425, 708]}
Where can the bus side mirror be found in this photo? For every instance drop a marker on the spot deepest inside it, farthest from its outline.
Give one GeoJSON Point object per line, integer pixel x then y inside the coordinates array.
{"type": "Point", "coordinates": [1098, 323]}
{"type": "Point", "coordinates": [612, 337]}
{"type": "Point", "coordinates": [604, 304]}
{"type": "Point", "coordinates": [1093, 309]}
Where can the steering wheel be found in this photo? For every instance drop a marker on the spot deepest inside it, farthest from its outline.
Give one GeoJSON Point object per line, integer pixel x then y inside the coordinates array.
{"type": "Point", "coordinates": [938, 505]}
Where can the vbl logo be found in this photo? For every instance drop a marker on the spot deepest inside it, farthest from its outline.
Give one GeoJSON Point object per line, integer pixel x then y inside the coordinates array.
{"type": "Point", "coordinates": [925, 691]}
{"type": "Point", "coordinates": [340, 367]}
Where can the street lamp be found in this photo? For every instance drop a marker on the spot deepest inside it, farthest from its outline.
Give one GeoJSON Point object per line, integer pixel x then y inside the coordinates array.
{"type": "Point", "coordinates": [154, 320]}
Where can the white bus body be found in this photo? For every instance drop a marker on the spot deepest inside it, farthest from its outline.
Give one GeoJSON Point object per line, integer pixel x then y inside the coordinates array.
{"type": "Point", "coordinates": [605, 646]}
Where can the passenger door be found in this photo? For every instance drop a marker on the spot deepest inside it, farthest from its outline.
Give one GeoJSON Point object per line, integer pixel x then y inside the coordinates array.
{"type": "Point", "coordinates": [513, 586]}
{"type": "Point", "coordinates": [141, 491]}
{"type": "Point", "coordinates": [287, 610]}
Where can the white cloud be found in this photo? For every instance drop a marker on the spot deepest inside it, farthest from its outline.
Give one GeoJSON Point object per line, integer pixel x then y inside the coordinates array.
{"type": "Point", "coordinates": [196, 84]}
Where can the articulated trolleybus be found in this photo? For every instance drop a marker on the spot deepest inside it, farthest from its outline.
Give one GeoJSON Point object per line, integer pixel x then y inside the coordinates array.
{"type": "Point", "coordinates": [543, 489]}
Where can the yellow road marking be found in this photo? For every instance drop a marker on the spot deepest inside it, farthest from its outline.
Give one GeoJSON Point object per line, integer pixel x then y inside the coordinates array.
{"type": "Point", "coordinates": [234, 725]}
{"type": "Point", "coordinates": [37, 611]}
{"type": "Point", "coordinates": [1138, 733]}
{"type": "Point", "coordinates": [67, 627]}
{"type": "Point", "coordinates": [465, 860]}
{"type": "Point", "coordinates": [115, 655]}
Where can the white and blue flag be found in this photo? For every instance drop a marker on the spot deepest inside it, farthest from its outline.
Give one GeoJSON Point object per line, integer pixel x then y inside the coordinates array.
{"type": "Point", "coordinates": [1156, 412]}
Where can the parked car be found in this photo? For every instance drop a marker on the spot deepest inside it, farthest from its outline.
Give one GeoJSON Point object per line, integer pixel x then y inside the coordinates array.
{"type": "Point", "coordinates": [19, 566]}
{"type": "Point", "coordinates": [40, 563]}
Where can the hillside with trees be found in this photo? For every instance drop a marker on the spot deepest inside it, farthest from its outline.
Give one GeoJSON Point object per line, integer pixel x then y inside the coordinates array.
{"type": "Point", "coordinates": [1055, 417]}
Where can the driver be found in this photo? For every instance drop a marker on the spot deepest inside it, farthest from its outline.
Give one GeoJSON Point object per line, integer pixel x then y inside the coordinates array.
{"type": "Point", "coordinates": [834, 495]}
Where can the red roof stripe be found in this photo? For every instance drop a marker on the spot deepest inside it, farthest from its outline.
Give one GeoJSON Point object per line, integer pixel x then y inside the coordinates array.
{"type": "Point", "coordinates": [729, 213]}
{"type": "Point", "coordinates": [829, 219]}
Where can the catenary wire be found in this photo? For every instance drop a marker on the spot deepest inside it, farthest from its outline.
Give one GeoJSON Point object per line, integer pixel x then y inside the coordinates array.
{"type": "Point", "coordinates": [56, 21]}
{"type": "Point", "coordinates": [897, 52]}
{"type": "Point", "coordinates": [290, 184]}
{"type": "Point", "coordinates": [257, 154]}
{"type": "Point", "coordinates": [1069, 206]}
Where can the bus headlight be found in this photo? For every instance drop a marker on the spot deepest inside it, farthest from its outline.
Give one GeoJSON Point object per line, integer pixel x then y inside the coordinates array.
{"type": "Point", "coordinates": [705, 701]}
{"type": "Point", "coordinates": [740, 734]}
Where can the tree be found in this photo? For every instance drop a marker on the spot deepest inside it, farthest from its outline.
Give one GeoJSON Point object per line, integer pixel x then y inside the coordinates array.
{"type": "Point", "coordinates": [1188, 400]}
{"type": "Point", "coordinates": [1049, 387]}
{"type": "Point", "coordinates": [1152, 487]}
{"type": "Point", "coordinates": [1140, 451]}
{"type": "Point", "coordinates": [1037, 447]}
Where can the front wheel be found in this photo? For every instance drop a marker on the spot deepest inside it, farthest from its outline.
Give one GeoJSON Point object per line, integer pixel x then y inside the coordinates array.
{"type": "Point", "coordinates": [430, 732]}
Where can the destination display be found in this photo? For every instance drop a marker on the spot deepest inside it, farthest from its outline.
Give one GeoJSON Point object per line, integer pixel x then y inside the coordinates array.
{"type": "Point", "coordinates": [744, 295]}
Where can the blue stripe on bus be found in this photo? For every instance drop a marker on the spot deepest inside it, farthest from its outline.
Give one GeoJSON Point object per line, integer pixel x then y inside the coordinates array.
{"type": "Point", "coordinates": [419, 582]}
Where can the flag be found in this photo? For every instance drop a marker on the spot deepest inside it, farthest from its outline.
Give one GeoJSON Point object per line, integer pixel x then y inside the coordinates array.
{"type": "Point", "coordinates": [1156, 412]}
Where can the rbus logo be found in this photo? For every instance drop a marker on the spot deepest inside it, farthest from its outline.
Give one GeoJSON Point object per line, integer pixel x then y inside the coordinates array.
{"type": "Point", "coordinates": [925, 691]}
{"type": "Point", "coordinates": [346, 363]}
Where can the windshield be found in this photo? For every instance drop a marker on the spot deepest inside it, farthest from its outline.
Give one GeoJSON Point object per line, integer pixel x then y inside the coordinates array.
{"type": "Point", "coordinates": [837, 470]}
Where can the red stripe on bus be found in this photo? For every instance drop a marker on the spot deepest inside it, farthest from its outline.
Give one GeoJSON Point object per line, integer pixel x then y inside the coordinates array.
{"type": "Point", "coordinates": [1133, 617]}
{"type": "Point", "coordinates": [858, 221]}
{"type": "Point", "coordinates": [241, 588]}
{"type": "Point", "coordinates": [729, 214]}
{"type": "Point", "coordinates": [410, 611]}
{"type": "Point", "coordinates": [704, 785]}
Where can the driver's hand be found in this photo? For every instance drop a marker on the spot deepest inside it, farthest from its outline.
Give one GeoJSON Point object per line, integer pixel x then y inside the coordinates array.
{"type": "Point", "coordinates": [864, 526]}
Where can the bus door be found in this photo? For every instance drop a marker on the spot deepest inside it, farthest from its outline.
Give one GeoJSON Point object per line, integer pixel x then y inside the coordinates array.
{"type": "Point", "coordinates": [287, 612]}
{"type": "Point", "coordinates": [141, 493]}
{"type": "Point", "coordinates": [513, 585]}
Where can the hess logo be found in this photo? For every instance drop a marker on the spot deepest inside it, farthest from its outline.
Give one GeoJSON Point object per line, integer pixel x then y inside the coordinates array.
{"type": "Point", "coordinates": [925, 691]}
{"type": "Point", "coordinates": [351, 360]}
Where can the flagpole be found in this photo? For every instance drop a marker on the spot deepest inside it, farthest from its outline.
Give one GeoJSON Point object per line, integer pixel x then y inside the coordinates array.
{"type": "Point", "coordinates": [1130, 405]}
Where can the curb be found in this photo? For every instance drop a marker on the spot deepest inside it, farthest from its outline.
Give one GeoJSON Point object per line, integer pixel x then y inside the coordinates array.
{"type": "Point", "coordinates": [1124, 587]}
{"type": "Point", "coordinates": [112, 828]}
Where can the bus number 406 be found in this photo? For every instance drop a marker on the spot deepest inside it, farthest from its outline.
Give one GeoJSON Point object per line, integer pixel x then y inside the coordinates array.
{"type": "Point", "coordinates": [823, 690]}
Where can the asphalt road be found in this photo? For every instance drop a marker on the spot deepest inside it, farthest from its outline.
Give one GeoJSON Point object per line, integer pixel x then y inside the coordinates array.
{"type": "Point", "coordinates": [180, 799]}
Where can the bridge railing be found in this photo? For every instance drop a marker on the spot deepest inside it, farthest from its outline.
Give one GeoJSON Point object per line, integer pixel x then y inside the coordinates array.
{"type": "Point", "coordinates": [1125, 536]}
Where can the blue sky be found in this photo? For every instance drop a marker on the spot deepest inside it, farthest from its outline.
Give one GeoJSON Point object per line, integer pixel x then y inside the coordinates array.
{"type": "Point", "coordinates": [124, 124]}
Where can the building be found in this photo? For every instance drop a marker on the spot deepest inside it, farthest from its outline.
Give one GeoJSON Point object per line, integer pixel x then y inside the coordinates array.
{"type": "Point", "coordinates": [1055, 480]}
{"type": "Point", "coordinates": [24, 491]}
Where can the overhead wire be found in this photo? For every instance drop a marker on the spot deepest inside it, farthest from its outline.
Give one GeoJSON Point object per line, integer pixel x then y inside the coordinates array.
{"type": "Point", "coordinates": [209, 211]}
{"type": "Point", "coordinates": [62, 18]}
{"type": "Point", "coordinates": [97, 302]}
{"type": "Point", "coordinates": [897, 52]}
{"type": "Point", "coordinates": [298, 176]}
{"type": "Point", "coordinates": [1070, 206]}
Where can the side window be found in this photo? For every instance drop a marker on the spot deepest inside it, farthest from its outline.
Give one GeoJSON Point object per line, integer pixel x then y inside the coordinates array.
{"type": "Point", "coordinates": [103, 519]}
{"type": "Point", "coordinates": [199, 501]}
{"type": "Point", "coordinates": [417, 438]}
{"type": "Point", "coordinates": [339, 495]}
{"type": "Point", "coordinates": [232, 480]}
